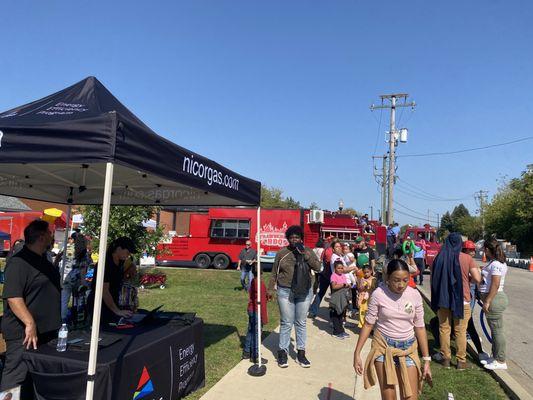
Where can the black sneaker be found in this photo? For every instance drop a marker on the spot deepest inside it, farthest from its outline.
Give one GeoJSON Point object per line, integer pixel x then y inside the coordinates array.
{"type": "Point", "coordinates": [302, 359]}
{"type": "Point", "coordinates": [282, 359]}
{"type": "Point", "coordinates": [245, 355]}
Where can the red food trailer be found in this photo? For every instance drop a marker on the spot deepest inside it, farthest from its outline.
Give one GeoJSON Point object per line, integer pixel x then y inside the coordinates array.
{"type": "Point", "coordinates": [14, 223]}
{"type": "Point", "coordinates": [216, 236]}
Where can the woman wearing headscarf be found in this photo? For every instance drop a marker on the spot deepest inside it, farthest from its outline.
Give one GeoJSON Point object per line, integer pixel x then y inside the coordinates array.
{"type": "Point", "coordinates": [292, 279]}
{"type": "Point", "coordinates": [447, 298]}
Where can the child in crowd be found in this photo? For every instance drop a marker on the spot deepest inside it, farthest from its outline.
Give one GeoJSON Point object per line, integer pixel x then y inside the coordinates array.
{"type": "Point", "coordinates": [365, 286]}
{"type": "Point", "coordinates": [339, 301]}
{"type": "Point", "coordinates": [251, 345]}
{"type": "Point", "coordinates": [349, 259]}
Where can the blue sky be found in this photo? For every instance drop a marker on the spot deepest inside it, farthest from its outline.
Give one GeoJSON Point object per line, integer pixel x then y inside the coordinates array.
{"type": "Point", "coordinates": [280, 90]}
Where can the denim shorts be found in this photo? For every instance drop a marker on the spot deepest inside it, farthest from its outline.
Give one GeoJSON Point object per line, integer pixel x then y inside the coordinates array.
{"type": "Point", "coordinates": [399, 344]}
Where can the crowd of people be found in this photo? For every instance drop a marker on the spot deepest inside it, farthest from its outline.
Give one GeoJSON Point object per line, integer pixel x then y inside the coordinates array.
{"type": "Point", "coordinates": [456, 283]}
{"type": "Point", "coordinates": [380, 295]}
{"type": "Point", "coordinates": [38, 299]}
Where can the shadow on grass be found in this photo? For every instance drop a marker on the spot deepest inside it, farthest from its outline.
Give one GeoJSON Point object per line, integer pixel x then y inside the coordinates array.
{"type": "Point", "coordinates": [214, 333]}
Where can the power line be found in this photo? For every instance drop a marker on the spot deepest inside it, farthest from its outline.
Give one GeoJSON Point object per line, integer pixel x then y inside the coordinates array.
{"type": "Point", "coordinates": [415, 217]}
{"type": "Point", "coordinates": [419, 196]}
{"type": "Point", "coordinates": [467, 150]}
{"type": "Point", "coordinates": [430, 195]}
{"type": "Point", "coordinates": [410, 209]}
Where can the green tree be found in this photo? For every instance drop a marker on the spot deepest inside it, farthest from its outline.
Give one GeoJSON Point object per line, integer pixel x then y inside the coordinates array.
{"type": "Point", "coordinates": [510, 214]}
{"type": "Point", "coordinates": [273, 198]}
{"type": "Point", "coordinates": [291, 203]}
{"type": "Point", "coordinates": [469, 226]}
{"type": "Point", "coordinates": [124, 221]}
{"type": "Point", "coordinates": [314, 206]}
{"type": "Point", "coordinates": [458, 212]}
{"type": "Point", "coordinates": [446, 225]}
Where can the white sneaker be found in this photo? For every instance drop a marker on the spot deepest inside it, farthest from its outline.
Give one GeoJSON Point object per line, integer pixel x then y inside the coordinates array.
{"type": "Point", "coordinates": [484, 358]}
{"type": "Point", "coordinates": [486, 361]}
{"type": "Point", "coordinates": [496, 365]}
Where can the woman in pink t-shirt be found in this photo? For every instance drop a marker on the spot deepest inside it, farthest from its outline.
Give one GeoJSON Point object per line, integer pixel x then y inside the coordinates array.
{"type": "Point", "coordinates": [397, 312]}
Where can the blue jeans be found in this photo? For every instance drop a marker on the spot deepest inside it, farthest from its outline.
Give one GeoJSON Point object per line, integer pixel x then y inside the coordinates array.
{"type": "Point", "coordinates": [66, 292]}
{"type": "Point", "coordinates": [398, 344]}
{"type": "Point", "coordinates": [246, 272]}
{"type": "Point", "coordinates": [251, 344]}
{"type": "Point", "coordinates": [293, 311]}
{"type": "Point", "coordinates": [323, 285]}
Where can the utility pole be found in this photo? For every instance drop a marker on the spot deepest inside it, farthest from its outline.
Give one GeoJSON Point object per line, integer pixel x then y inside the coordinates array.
{"type": "Point", "coordinates": [383, 192]}
{"type": "Point", "coordinates": [482, 197]}
{"type": "Point", "coordinates": [393, 142]}
{"type": "Point", "coordinates": [383, 177]}
{"type": "Point", "coordinates": [371, 213]}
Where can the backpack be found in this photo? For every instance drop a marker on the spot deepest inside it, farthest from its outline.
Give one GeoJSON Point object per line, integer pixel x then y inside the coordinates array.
{"type": "Point", "coordinates": [301, 278]}
{"type": "Point", "coordinates": [128, 298]}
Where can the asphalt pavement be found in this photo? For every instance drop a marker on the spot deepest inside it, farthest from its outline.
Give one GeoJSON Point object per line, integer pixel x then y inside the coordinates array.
{"type": "Point", "coordinates": [518, 326]}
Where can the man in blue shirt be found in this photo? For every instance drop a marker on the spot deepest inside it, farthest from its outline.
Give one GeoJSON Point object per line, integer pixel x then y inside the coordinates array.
{"type": "Point", "coordinates": [393, 232]}
{"type": "Point", "coordinates": [396, 230]}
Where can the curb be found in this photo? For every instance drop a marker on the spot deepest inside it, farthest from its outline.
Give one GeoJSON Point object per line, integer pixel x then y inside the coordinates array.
{"type": "Point", "coordinates": [506, 381]}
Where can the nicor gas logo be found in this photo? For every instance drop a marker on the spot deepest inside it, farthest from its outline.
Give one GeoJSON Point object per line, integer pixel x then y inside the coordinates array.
{"type": "Point", "coordinates": [198, 169]}
{"type": "Point", "coordinates": [145, 386]}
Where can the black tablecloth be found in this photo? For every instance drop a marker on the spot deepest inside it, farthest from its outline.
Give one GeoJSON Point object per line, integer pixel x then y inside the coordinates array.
{"type": "Point", "coordinates": [164, 360]}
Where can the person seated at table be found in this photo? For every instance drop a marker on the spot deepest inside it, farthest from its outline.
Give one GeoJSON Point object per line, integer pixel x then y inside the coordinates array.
{"type": "Point", "coordinates": [117, 253]}
{"type": "Point", "coordinates": [32, 304]}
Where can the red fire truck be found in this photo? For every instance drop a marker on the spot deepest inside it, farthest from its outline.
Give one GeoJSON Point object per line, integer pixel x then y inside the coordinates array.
{"type": "Point", "coordinates": [13, 223]}
{"type": "Point", "coordinates": [216, 236]}
{"type": "Point", "coordinates": [429, 234]}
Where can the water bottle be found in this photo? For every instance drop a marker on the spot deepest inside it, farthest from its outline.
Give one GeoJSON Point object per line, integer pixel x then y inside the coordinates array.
{"type": "Point", "coordinates": [62, 338]}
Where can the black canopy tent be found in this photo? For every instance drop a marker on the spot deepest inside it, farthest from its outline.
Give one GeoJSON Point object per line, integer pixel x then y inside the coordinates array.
{"type": "Point", "coordinates": [61, 144]}
{"type": "Point", "coordinates": [82, 146]}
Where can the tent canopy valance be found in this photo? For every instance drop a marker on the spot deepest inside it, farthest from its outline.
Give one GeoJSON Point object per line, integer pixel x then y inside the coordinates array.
{"type": "Point", "coordinates": [56, 149]}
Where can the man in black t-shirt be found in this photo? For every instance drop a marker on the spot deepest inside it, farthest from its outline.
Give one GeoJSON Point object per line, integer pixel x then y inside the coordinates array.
{"type": "Point", "coordinates": [32, 304]}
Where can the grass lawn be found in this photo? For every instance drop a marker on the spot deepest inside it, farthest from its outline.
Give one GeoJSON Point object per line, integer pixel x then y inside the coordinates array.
{"type": "Point", "coordinates": [472, 384]}
{"type": "Point", "coordinates": [212, 295]}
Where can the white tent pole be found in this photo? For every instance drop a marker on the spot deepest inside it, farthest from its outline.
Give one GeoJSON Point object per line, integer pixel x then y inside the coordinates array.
{"type": "Point", "coordinates": [65, 242]}
{"type": "Point", "coordinates": [95, 330]}
{"type": "Point", "coordinates": [258, 264]}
